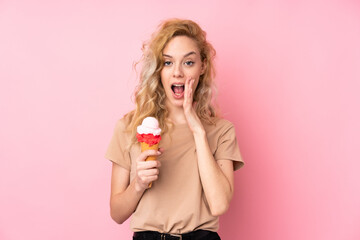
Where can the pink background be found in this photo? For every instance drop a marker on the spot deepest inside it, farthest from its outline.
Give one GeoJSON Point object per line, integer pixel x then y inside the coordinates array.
{"type": "Point", "coordinates": [288, 78]}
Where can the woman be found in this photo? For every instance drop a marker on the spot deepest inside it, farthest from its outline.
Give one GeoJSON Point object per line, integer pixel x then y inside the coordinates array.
{"type": "Point", "coordinates": [192, 177]}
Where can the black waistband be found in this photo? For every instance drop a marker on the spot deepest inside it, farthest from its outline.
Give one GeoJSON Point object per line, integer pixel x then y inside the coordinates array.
{"type": "Point", "coordinates": [166, 236]}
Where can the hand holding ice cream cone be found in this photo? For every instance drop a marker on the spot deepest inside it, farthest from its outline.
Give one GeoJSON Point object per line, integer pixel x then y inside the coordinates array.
{"type": "Point", "coordinates": [148, 134]}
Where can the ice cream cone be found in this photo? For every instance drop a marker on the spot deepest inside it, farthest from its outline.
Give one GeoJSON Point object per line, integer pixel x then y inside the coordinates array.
{"type": "Point", "coordinates": [145, 146]}
{"type": "Point", "coordinates": [148, 134]}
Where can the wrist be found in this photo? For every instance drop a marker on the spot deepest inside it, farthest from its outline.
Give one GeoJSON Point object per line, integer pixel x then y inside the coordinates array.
{"type": "Point", "coordinates": [199, 133]}
{"type": "Point", "coordinates": [138, 188]}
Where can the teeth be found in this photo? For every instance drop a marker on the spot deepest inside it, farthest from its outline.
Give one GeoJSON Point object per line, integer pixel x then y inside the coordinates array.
{"type": "Point", "coordinates": [178, 85]}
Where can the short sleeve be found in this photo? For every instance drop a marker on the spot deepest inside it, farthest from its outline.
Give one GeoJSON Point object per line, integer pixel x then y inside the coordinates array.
{"type": "Point", "coordinates": [228, 148]}
{"type": "Point", "coordinates": [116, 151]}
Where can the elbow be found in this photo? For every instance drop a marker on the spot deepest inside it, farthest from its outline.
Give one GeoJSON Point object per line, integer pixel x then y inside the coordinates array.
{"type": "Point", "coordinates": [220, 205]}
{"type": "Point", "coordinates": [219, 209]}
{"type": "Point", "coordinates": [118, 219]}
{"type": "Point", "coordinates": [117, 213]}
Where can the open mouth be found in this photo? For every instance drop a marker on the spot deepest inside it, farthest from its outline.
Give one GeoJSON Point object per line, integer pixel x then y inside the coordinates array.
{"type": "Point", "coordinates": [178, 89]}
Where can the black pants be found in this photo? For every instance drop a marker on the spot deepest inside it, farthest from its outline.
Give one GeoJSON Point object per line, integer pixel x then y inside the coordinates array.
{"type": "Point", "coordinates": [196, 235]}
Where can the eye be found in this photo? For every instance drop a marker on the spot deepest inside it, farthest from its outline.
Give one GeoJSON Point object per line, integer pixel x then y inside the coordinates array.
{"type": "Point", "coordinates": [167, 63]}
{"type": "Point", "coordinates": [189, 63]}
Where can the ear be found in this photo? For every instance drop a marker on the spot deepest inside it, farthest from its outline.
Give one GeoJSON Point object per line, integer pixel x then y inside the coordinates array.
{"type": "Point", "coordinates": [203, 67]}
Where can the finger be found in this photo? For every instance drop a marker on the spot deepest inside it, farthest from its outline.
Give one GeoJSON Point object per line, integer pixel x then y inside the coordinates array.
{"type": "Point", "coordinates": [188, 92]}
{"type": "Point", "coordinates": [145, 181]}
{"type": "Point", "coordinates": [149, 172]}
{"type": "Point", "coordinates": [190, 83]}
{"type": "Point", "coordinates": [151, 179]}
{"type": "Point", "coordinates": [191, 89]}
{"type": "Point", "coordinates": [148, 165]}
{"type": "Point", "coordinates": [142, 157]}
{"type": "Point", "coordinates": [148, 176]}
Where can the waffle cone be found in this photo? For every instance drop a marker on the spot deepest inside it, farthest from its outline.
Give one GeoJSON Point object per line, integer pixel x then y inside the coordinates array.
{"type": "Point", "coordinates": [145, 146]}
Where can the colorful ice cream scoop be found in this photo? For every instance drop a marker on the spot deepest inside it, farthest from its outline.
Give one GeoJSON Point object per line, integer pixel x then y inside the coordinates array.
{"type": "Point", "coordinates": [149, 132]}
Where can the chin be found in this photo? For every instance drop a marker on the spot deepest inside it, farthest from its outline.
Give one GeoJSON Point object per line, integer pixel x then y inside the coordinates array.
{"type": "Point", "coordinates": [175, 102]}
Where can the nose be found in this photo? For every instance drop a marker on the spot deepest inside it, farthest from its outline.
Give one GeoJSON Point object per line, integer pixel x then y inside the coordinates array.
{"type": "Point", "coordinates": [178, 71]}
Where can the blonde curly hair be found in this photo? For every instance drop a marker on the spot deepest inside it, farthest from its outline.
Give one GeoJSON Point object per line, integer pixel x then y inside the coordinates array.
{"type": "Point", "coordinates": [150, 94]}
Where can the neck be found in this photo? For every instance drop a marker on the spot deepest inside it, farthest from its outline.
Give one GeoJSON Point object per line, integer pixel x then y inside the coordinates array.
{"type": "Point", "coordinates": [176, 114]}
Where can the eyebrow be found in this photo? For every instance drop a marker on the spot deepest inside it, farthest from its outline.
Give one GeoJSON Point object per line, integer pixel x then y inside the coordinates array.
{"type": "Point", "coordinates": [186, 55]}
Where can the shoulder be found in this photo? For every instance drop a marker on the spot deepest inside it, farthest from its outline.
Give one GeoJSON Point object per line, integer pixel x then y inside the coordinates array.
{"type": "Point", "coordinates": [120, 127]}
{"type": "Point", "coordinates": [223, 123]}
{"type": "Point", "coordinates": [121, 130]}
{"type": "Point", "coordinates": [219, 124]}
{"type": "Point", "coordinates": [122, 123]}
{"type": "Point", "coordinates": [219, 128]}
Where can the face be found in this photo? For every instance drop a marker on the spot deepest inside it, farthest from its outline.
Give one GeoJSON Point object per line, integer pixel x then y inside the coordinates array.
{"type": "Point", "coordinates": [181, 61]}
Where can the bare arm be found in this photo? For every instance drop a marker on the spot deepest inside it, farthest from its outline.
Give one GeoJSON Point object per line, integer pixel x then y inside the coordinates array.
{"type": "Point", "coordinates": [125, 195]}
{"type": "Point", "coordinates": [217, 177]}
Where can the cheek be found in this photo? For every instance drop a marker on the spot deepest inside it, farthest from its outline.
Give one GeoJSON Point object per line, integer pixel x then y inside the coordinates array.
{"type": "Point", "coordinates": [162, 78]}
{"type": "Point", "coordinates": [194, 73]}
{"type": "Point", "coordinates": [165, 74]}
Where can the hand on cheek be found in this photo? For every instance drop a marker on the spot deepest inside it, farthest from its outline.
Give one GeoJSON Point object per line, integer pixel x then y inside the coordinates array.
{"type": "Point", "coordinates": [190, 113]}
{"type": "Point", "coordinates": [188, 96]}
